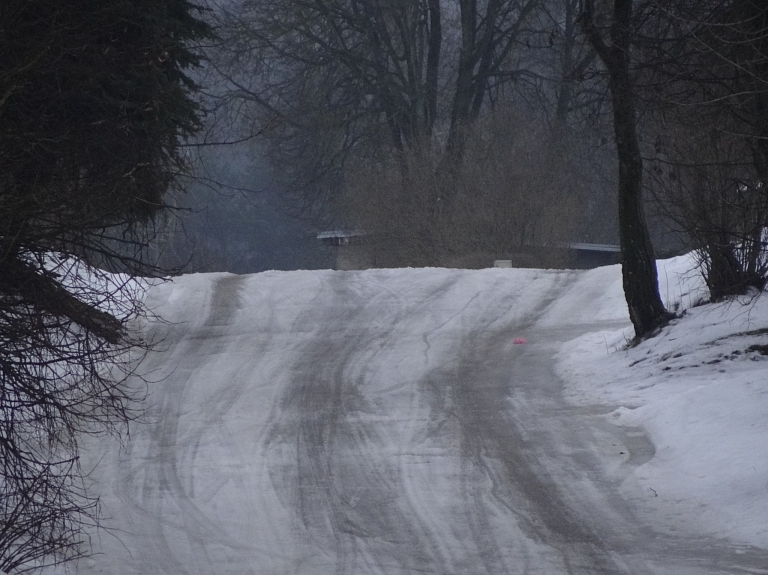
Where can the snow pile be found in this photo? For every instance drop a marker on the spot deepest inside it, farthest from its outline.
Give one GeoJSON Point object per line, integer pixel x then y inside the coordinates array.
{"type": "Point", "coordinates": [700, 389]}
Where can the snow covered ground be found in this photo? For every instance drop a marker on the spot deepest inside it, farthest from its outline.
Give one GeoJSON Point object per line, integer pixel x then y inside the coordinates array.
{"type": "Point", "coordinates": [699, 392]}
{"type": "Point", "coordinates": [384, 422]}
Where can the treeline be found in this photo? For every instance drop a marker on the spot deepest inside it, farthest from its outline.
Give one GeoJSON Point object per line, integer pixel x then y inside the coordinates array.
{"type": "Point", "coordinates": [453, 129]}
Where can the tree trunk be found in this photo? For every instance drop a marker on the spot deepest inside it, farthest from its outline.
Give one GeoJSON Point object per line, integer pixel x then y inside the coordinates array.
{"type": "Point", "coordinates": [434, 45]}
{"type": "Point", "coordinates": [638, 264]}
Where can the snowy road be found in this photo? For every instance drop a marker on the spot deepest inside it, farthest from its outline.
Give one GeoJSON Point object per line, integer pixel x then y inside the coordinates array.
{"type": "Point", "coordinates": [380, 422]}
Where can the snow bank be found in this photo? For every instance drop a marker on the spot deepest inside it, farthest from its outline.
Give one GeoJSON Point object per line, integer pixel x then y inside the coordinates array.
{"type": "Point", "coordinates": [698, 390]}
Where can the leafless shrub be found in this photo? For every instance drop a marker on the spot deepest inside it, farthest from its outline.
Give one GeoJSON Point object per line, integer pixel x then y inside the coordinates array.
{"type": "Point", "coordinates": [514, 196]}
{"type": "Point", "coordinates": [708, 186]}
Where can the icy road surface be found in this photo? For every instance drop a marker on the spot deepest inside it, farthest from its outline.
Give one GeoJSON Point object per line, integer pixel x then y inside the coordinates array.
{"type": "Point", "coordinates": [380, 422]}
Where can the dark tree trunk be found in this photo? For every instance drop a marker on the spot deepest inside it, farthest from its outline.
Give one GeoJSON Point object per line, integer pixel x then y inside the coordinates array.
{"type": "Point", "coordinates": [566, 85]}
{"type": "Point", "coordinates": [465, 80]}
{"type": "Point", "coordinates": [641, 287]}
{"type": "Point", "coordinates": [434, 45]}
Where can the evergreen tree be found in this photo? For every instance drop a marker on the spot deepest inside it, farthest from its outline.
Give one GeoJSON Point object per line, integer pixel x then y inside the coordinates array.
{"type": "Point", "coordinates": [94, 100]}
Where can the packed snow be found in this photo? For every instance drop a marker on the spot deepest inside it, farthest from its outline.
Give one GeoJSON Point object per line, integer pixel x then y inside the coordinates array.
{"type": "Point", "coordinates": [441, 421]}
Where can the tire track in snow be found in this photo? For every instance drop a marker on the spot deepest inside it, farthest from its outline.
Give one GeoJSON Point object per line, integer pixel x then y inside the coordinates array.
{"type": "Point", "coordinates": [345, 493]}
{"type": "Point", "coordinates": [536, 450]}
{"type": "Point", "coordinates": [401, 528]}
{"type": "Point", "coordinates": [518, 484]}
{"type": "Point", "coordinates": [497, 453]}
{"type": "Point", "coordinates": [138, 483]}
{"type": "Point", "coordinates": [455, 389]}
{"type": "Point", "coordinates": [403, 442]}
{"type": "Point", "coordinates": [162, 485]}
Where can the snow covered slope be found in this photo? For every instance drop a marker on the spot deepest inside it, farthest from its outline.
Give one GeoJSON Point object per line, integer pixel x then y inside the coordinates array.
{"type": "Point", "coordinates": [384, 422]}
{"type": "Point", "coordinates": [701, 394]}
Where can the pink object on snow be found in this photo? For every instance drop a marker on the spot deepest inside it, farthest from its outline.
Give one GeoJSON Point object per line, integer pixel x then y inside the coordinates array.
{"type": "Point", "coordinates": [518, 340]}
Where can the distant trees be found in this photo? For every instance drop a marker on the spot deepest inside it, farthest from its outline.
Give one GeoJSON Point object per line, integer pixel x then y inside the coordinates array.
{"type": "Point", "coordinates": [375, 62]}
{"type": "Point", "coordinates": [94, 99]}
{"type": "Point", "coordinates": [340, 84]}
{"type": "Point", "coordinates": [516, 195]}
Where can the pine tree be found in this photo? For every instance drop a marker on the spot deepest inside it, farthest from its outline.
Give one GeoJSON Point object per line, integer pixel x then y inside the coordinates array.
{"type": "Point", "coordinates": [95, 98]}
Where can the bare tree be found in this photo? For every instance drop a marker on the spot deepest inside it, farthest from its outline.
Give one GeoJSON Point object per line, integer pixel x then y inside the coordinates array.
{"type": "Point", "coordinates": [491, 34]}
{"type": "Point", "coordinates": [66, 360]}
{"type": "Point", "coordinates": [336, 78]}
{"type": "Point", "coordinates": [709, 188]}
{"type": "Point", "coordinates": [339, 84]}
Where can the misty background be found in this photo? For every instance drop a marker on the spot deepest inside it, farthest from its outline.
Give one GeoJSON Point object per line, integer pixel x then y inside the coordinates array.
{"type": "Point", "coordinates": [279, 163]}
